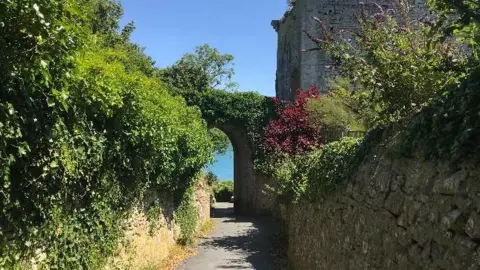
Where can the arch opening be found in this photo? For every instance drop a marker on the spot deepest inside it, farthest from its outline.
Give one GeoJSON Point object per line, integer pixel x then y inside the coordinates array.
{"type": "Point", "coordinates": [244, 195]}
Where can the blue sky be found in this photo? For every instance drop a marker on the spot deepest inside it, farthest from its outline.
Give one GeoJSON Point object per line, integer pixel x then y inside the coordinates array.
{"type": "Point", "coordinates": [169, 29]}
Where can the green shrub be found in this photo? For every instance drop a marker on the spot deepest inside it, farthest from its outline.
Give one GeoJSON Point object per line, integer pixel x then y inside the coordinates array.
{"type": "Point", "coordinates": [399, 64]}
{"type": "Point", "coordinates": [449, 127]}
{"type": "Point", "coordinates": [292, 175]}
{"type": "Point", "coordinates": [332, 112]}
{"type": "Point", "coordinates": [318, 173]}
{"type": "Point", "coordinates": [333, 168]}
{"type": "Point", "coordinates": [223, 191]}
{"type": "Point", "coordinates": [186, 217]}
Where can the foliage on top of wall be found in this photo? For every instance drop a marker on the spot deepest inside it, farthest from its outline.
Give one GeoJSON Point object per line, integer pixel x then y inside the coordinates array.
{"type": "Point", "coordinates": [334, 167]}
{"type": "Point", "coordinates": [247, 111]}
{"type": "Point", "coordinates": [291, 173]}
{"type": "Point", "coordinates": [85, 130]}
{"type": "Point", "coordinates": [449, 128]}
{"type": "Point", "coordinates": [317, 173]}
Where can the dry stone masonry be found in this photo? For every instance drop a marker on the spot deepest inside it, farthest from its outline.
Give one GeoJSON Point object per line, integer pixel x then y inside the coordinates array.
{"type": "Point", "coordinates": [296, 69]}
{"type": "Point", "coordinates": [147, 244]}
{"type": "Point", "coordinates": [398, 213]}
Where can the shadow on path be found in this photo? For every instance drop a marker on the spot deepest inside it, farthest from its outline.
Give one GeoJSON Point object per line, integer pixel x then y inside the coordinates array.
{"type": "Point", "coordinates": [226, 212]}
{"type": "Point", "coordinates": [240, 243]}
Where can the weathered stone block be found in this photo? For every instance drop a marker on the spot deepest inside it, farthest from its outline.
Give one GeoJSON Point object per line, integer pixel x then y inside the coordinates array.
{"type": "Point", "coordinates": [397, 182]}
{"type": "Point", "coordinates": [473, 226]}
{"type": "Point", "coordinates": [401, 236]}
{"type": "Point", "coordinates": [425, 254]}
{"type": "Point", "coordinates": [411, 208]}
{"type": "Point", "coordinates": [441, 236]}
{"type": "Point", "coordinates": [437, 251]}
{"type": "Point", "coordinates": [421, 198]}
{"type": "Point", "coordinates": [413, 252]}
{"type": "Point", "coordinates": [449, 185]}
{"type": "Point", "coordinates": [450, 218]}
{"type": "Point", "coordinates": [464, 241]}
{"type": "Point", "coordinates": [394, 202]}
{"type": "Point", "coordinates": [462, 203]}
{"type": "Point", "coordinates": [384, 220]}
{"type": "Point", "coordinates": [375, 202]}
{"type": "Point", "coordinates": [402, 220]}
{"type": "Point", "coordinates": [421, 235]}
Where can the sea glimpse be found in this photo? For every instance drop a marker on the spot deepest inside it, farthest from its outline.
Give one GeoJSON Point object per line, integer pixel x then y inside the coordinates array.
{"type": "Point", "coordinates": [223, 165]}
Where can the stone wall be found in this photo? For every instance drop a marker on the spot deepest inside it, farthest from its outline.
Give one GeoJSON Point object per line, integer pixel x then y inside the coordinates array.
{"type": "Point", "coordinates": [396, 214]}
{"type": "Point", "coordinates": [266, 201]}
{"type": "Point", "coordinates": [288, 51]}
{"type": "Point", "coordinates": [145, 246]}
{"type": "Point", "coordinates": [202, 203]}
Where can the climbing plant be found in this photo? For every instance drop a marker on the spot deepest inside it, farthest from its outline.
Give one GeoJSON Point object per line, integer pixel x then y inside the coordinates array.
{"type": "Point", "coordinates": [186, 217]}
{"type": "Point", "coordinates": [85, 130]}
{"type": "Point", "coordinates": [247, 111]}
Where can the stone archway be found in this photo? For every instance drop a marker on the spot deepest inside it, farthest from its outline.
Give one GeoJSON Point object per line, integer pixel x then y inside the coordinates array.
{"type": "Point", "coordinates": [250, 188]}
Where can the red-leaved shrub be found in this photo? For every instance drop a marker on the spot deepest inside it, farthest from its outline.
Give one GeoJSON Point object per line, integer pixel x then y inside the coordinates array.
{"type": "Point", "coordinates": [291, 132]}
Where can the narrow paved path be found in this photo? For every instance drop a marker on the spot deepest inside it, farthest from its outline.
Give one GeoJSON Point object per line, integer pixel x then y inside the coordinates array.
{"type": "Point", "coordinates": [239, 243]}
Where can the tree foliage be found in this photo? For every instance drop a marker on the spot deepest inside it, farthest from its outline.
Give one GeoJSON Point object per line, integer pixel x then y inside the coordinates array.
{"type": "Point", "coordinates": [223, 190]}
{"type": "Point", "coordinates": [337, 110]}
{"type": "Point", "coordinates": [197, 72]}
{"type": "Point", "coordinates": [85, 131]}
{"type": "Point", "coordinates": [460, 18]}
{"type": "Point", "coordinates": [221, 142]}
{"type": "Point", "coordinates": [291, 132]}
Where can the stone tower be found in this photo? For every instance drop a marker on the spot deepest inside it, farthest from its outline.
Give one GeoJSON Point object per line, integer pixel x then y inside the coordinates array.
{"type": "Point", "coordinates": [296, 69]}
